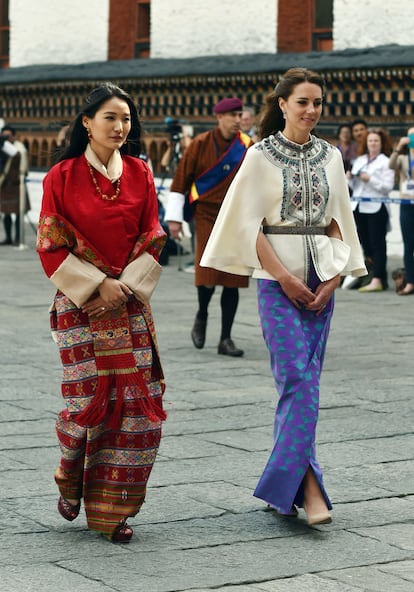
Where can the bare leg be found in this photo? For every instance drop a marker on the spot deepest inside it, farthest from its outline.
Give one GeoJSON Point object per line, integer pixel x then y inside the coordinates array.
{"type": "Point", "coordinates": [314, 503]}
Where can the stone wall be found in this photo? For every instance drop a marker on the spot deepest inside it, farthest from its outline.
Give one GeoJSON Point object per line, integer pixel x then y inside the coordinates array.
{"type": "Point", "coordinates": [371, 23]}
{"type": "Point", "coordinates": [62, 32]}
{"type": "Point", "coordinates": [185, 29]}
{"type": "Point", "coordinates": [76, 31]}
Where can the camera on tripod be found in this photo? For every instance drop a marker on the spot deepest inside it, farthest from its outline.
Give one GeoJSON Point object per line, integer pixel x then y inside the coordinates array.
{"type": "Point", "coordinates": [174, 129]}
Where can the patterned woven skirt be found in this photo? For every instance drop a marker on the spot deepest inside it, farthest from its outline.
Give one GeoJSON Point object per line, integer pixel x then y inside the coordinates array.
{"type": "Point", "coordinates": [108, 468]}
{"type": "Point", "coordinates": [296, 341]}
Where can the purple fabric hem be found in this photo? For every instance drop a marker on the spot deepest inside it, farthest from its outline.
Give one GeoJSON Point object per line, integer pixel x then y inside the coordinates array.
{"type": "Point", "coordinates": [296, 341]}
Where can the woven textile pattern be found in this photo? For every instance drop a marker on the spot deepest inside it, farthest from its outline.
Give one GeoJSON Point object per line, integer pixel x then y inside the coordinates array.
{"type": "Point", "coordinates": [296, 342]}
{"type": "Point", "coordinates": [109, 468]}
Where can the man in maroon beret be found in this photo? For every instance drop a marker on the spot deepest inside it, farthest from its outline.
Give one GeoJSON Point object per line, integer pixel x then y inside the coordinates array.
{"type": "Point", "coordinates": [200, 183]}
{"type": "Point", "coordinates": [228, 105]}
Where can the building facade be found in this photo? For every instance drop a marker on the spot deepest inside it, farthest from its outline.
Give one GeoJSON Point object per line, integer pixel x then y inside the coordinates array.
{"type": "Point", "coordinates": [75, 31]}
{"type": "Point", "coordinates": [178, 58]}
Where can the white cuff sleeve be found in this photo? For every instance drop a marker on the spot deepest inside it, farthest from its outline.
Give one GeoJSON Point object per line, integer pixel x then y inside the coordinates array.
{"type": "Point", "coordinates": [141, 276]}
{"type": "Point", "coordinates": [9, 149]}
{"type": "Point", "coordinates": [77, 279]}
{"type": "Point", "coordinates": [174, 211]}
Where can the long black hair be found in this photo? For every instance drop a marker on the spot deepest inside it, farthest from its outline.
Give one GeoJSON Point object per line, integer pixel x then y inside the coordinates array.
{"type": "Point", "coordinates": [272, 120]}
{"type": "Point", "coordinates": [78, 136]}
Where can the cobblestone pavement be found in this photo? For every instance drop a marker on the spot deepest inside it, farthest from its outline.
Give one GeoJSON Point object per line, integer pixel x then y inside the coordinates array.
{"type": "Point", "coordinates": [201, 529]}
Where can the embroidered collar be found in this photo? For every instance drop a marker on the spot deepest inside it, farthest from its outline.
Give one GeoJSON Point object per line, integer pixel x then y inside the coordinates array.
{"type": "Point", "coordinates": [293, 145]}
{"type": "Point", "coordinates": [114, 169]}
{"type": "Point", "coordinates": [282, 152]}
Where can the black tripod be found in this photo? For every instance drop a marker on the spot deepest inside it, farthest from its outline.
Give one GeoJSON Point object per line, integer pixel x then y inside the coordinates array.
{"type": "Point", "coordinates": [169, 170]}
{"type": "Point", "coordinates": [175, 154]}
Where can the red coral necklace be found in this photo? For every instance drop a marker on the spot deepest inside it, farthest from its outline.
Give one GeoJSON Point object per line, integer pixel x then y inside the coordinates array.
{"type": "Point", "coordinates": [98, 189]}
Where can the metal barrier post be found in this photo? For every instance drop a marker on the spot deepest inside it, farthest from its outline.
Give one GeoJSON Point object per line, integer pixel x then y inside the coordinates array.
{"type": "Point", "coordinates": [22, 208]}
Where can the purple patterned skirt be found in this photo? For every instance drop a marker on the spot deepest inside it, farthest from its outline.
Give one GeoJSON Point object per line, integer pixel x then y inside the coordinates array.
{"type": "Point", "coordinates": [296, 340]}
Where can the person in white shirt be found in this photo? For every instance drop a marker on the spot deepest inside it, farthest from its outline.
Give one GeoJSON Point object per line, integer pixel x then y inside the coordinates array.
{"type": "Point", "coordinates": [371, 177]}
{"type": "Point", "coordinates": [248, 123]}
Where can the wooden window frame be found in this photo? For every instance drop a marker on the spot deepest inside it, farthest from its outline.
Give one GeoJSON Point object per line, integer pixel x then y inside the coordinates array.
{"type": "Point", "coordinates": [320, 34]}
{"type": "Point", "coordinates": [142, 44]}
{"type": "Point", "coordinates": [4, 31]}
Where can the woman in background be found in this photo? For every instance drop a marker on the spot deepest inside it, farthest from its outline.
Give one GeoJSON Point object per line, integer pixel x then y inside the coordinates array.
{"type": "Point", "coordinates": [371, 177]}
{"type": "Point", "coordinates": [402, 161]}
{"type": "Point", "coordinates": [346, 146]}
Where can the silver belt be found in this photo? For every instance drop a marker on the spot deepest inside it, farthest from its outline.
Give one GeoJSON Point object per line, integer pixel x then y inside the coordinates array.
{"type": "Point", "coordinates": [294, 229]}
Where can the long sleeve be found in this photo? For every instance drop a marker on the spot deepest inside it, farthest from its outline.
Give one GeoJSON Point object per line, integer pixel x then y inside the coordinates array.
{"type": "Point", "coordinates": [82, 238]}
{"type": "Point", "coordinates": [395, 161]}
{"type": "Point", "coordinates": [195, 159]}
{"type": "Point", "coordinates": [382, 179]}
{"type": "Point", "coordinates": [77, 279]}
{"type": "Point", "coordinates": [381, 182]}
{"type": "Point", "coordinates": [174, 210]}
{"type": "Point", "coordinates": [232, 243]}
{"type": "Point", "coordinates": [259, 194]}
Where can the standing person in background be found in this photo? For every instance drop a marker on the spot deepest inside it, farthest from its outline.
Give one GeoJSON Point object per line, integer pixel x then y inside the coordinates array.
{"type": "Point", "coordinates": [287, 221]}
{"type": "Point", "coordinates": [62, 141]}
{"type": "Point", "coordinates": [348, 149]}
{"type": "Point", "coordinates": [180, 139]}
{"type": "Point", "coordinates": [99, 239]}
{"type": "Point", "coordinates": [346, 146]}
{"type": "Point", "coordinates": [12, 173]}
{"type": "Point", "coordinates": [402, 162]}
{"type": "Point", "coordinates": [204, 174]}
{"type": "Point", "coordinates": [62, 135]}
{"type": "Point", "coordinates": [371, 177]}
{"type": "Point", "coordinates": [359, 133]}
{"type": "Point", "coordinates": [248, 123]}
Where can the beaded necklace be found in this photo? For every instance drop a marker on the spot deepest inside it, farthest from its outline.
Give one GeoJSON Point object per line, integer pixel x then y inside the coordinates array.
{"type": "Point", "coordinates": [98, 189]}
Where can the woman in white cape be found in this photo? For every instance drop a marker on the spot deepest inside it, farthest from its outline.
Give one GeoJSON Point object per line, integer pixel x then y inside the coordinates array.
{"type": "Point", "coordinates": [286, 220]}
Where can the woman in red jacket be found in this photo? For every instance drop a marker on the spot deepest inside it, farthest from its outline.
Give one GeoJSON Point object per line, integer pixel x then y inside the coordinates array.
{"type": "Point", "coordinates": [99, 239]}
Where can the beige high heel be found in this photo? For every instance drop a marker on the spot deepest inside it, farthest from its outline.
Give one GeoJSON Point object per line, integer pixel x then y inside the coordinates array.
{"type": "Point", "coordinates": [318, 518]}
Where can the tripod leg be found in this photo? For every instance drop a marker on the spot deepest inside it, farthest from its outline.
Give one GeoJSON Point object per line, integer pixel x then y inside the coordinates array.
{"type": "Point", "coordinates": [179, 251]}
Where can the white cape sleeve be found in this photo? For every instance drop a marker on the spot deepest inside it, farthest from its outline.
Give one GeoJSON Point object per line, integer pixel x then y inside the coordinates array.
{"type": "Point", "coordinates": [232, 243]}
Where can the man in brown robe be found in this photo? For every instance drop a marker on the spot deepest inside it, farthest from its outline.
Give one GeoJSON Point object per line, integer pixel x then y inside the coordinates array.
{"type": "Point", "coordinates": [13, 170]}
{"type": "Point", "coordinates": [202, 177]}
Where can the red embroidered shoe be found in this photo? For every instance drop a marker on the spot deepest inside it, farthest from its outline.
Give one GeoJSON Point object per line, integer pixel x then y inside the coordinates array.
{"type": "Point", "coordinates": [68, 510]}
{"type": "Point", "coordinates": [122, 533]}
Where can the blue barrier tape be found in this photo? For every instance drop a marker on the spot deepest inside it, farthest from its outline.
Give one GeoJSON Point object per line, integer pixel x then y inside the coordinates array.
{"type": "Point", "coordinates": [390, 200]}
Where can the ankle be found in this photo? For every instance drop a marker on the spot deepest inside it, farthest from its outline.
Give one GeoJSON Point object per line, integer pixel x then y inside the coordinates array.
{"type": "Point", "coordinates": [72, 501]}
{"type": "Point", "coordinates": [312, 490]}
